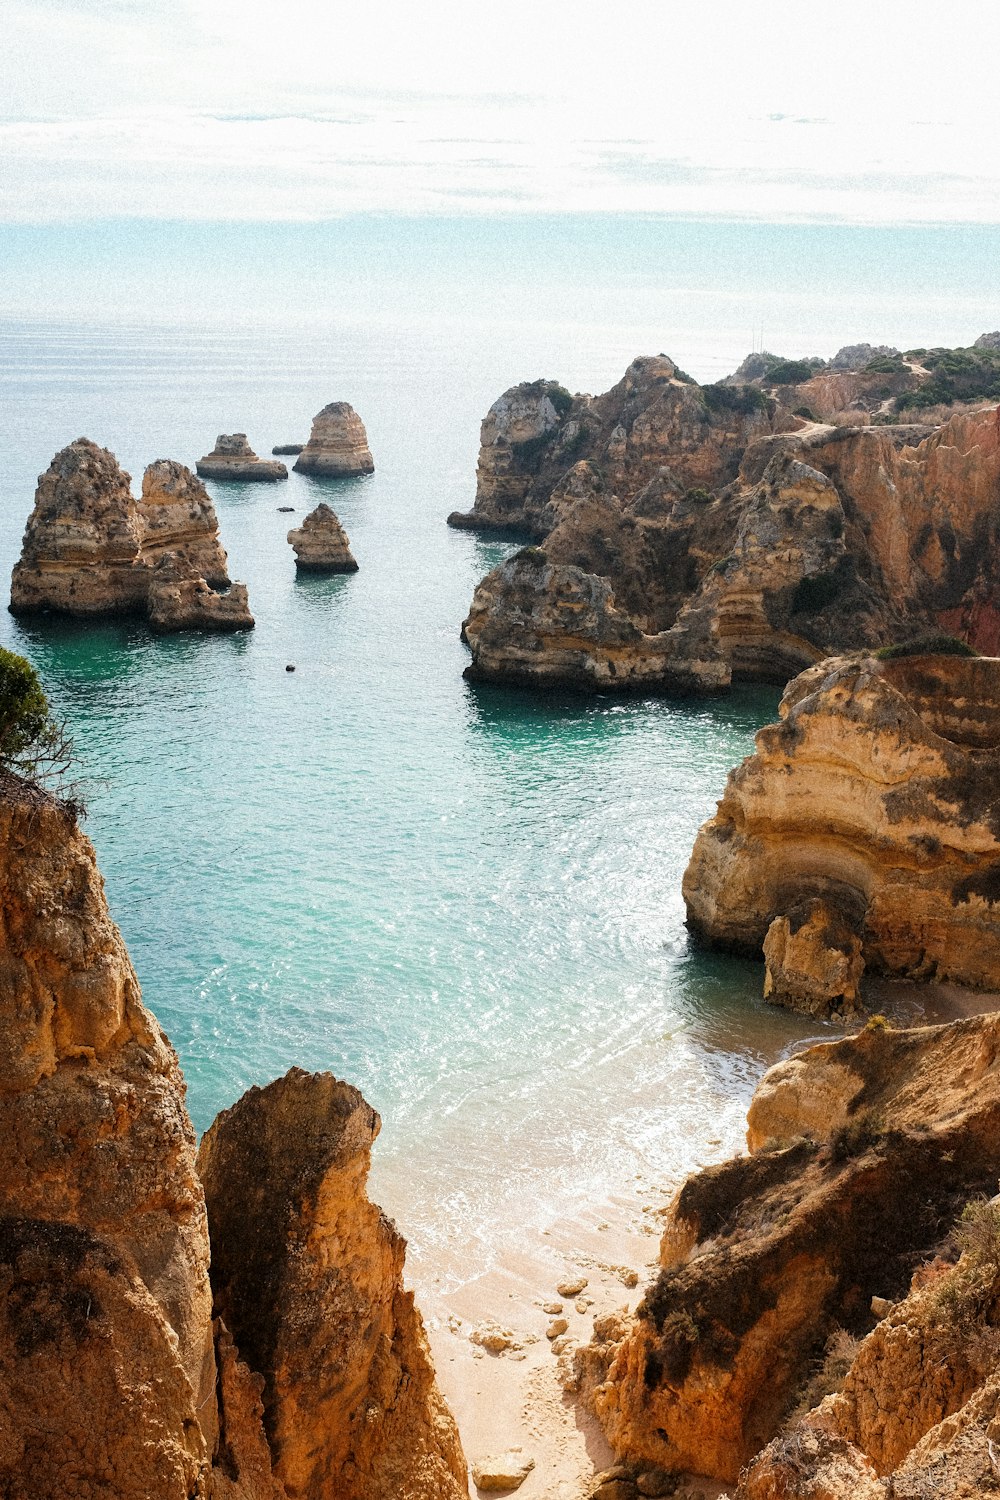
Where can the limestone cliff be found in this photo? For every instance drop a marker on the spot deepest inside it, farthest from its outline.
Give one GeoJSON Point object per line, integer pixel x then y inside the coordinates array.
{"type": "Point", "coordinates": [233, 458]}
{"type": "Point", "coordinates": [864, 1152]}
{"type": "Point", "coordinates": [91, 549]}
{"type": "Point", "coordinates": [875, 794]}
{"type": "Point", "coordinates": [308, 1274]}
{"type": "Point", "coordinates": [761, 548]}
{"type": "Point", "coordinates": [320, 544]}
{"type": "Point", "coordinates": [338, 444]}
{"type": "Point", "coordinates": [107, 1369]}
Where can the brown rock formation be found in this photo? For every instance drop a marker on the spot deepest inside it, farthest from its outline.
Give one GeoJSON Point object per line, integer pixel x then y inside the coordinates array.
{"type": "Point", "coordinates": [813, 961]}
{"type": "Point", "coordinates": [233, 458]}
{"type": "Point", "coordinates": [876, 794]}
{"type": "Point", "coordinates": [828, 539]}
{"type": "Point", "coordinates": [81, 544]}
{"type": "Point", "coordinates": [765, 1256]}
{"type": "Point", "coordinates": [338, 444]}
{"type": "Point", "coordinates": [91, 550]}
{"type": "Point", "coordinates": [308, 1274]}
{"type": "Point", "coordinates": [107, 1371]}
{"type": "Point", "coordinates": [320, 544]}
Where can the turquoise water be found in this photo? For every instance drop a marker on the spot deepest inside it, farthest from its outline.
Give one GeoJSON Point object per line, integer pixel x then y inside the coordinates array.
{"type": "Point", "coordinates": [464, 900]}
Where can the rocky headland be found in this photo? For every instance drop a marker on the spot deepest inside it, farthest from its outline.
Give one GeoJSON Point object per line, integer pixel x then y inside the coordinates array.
{"type": "Point", "coordinates": [233, 458]}
{"type": "Point", "coordinates": [337, 446]}
{"type": "Point", "coordinates": [320, 544]}
{"type": "Point", "coordinates": [118, 1376]}
{"type": "Point", "coordinates": [689, 536]}
{"type": "Point", "coordinates": [864, 832]}
{"type": "Point", "coordinates": [91, 550]}
{"type": "Point", "coordinates": [825, 1319]}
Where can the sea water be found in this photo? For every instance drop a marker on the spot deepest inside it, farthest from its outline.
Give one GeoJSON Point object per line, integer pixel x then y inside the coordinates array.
{"type": "Point", "coordinates": [463, 899]}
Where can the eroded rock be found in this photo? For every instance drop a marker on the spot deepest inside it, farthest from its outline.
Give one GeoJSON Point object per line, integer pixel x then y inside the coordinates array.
{"type": "Point", "coordinates": [308, 1275]}
{"type": "Point", "coordinates": [338, 444]}
{"type": "Point", "coordinates": [233, 458]}
{"type": "Point", "coordinates": [320, 544]}
{"type": "Point", "coordinates": [813, 961]}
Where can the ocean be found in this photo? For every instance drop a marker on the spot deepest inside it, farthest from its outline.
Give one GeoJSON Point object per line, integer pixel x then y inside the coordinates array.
{"type": "Point", "coordinates": [464, 900]}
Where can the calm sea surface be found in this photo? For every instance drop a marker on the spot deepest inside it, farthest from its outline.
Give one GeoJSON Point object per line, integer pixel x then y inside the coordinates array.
{"type": "Point", "coordinates": [466, 901]}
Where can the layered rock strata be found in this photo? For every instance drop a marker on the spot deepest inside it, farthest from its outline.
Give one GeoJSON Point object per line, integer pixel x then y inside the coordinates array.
{"type": "Point", "coordinates": [107, 1366]}
{"type": "Point", "coordinates": [92, 550]}
{"type": "Point", "coordinates": [875, 794]}
{"type": "Point", "coordinates": [233, 458]}
{"type": "Point", "coordinates": [762, 549]}
{"type": "Point", "coordinates": [338, 444]}
{"type": "Point", "coordinates": [864, 1152]}
{"type": "Point", "coordinates": [308, 1274]}
{"type": "Point", "coordinates": [320, 544]}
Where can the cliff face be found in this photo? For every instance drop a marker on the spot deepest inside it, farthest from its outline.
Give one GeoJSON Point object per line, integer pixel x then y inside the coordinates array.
{"type": "Point", "coordinates": [864, 1151]}
{"type": "Point", "coordinates": [233, 458]}
{"type": "Point", "coordinates": [308, 1274]}
{"type": "Point", "coordinates": [338, 444]}
{"type": "Point", "coordinates": [320, 544]}
{"type": "Point", "coordinates": [107, 1363]}
{"type": "Point", "coordinates": [826, 539]}
{"type": "Point", "coordinates": [91, 549]}
{"type": "Point", "coordinates": [876, 794]}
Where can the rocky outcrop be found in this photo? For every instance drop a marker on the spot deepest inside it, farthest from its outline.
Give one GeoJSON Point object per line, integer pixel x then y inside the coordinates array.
{"type": "Point", "coordinates": [287, 448]}
{"type": "Point", "coordinates": [864, 1152]}
{"type": "Point", "coordinates": [338, 444]}
{"type": "Point", "coordinates": [875, 794]}
{"type": "Point", "coordinates": [92, 550]}
{"type": "Point", "coordinates": [233, 458]}
{"type": "Point", "coordinates": [320, 544]}
{"type": "Point", "coordinates": [988, 340]}
{"type": "Point", "coordinates": [813, 962]}
{"type": "Point", "coordinates": [761, 548]}
{"type": "Point", "coordinates": [308, 1274]}
{"type": "Point", "coordinates": [107, 1367]}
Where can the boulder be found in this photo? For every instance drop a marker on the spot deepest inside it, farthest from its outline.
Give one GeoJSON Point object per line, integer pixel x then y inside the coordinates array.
{"type": "Point", "coordinates": [320, 544]}
{"type": "Point", "coordinates": [178, 602]}
{"type": "Point", "coordinates": [502, 1471]}
{"type": "Point", "coordinates": [875, 793]}
{"type": "Point", "coordinates": [813, 962]}
{"type": "Point", "coordinates": [233, 458]}
{"type": "Point", "coordinates": [338, 444]}
{"type": "Point", "coordinates": [307, 1274]}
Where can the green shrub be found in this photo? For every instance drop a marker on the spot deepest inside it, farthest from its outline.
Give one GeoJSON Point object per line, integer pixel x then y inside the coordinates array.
{"type": "Point", "coordinates": [803, 411]}
{"type": "Point", "coordinates": [32, 743]}
{"type": "Point", "coordinates": [700, 496]}
{"type": "Point", "coordinates": [885, 364]}
{"type": "Point", "coordinates": [742, 400]}
{"type": "Point", "coordinates": [790, 372]}
{"type": "Point", "coordinates": [536, 556]}
{"type": "Point", "coordinates": [859, 1133]}
{"type": "Point", "coordinates": [927, 645]}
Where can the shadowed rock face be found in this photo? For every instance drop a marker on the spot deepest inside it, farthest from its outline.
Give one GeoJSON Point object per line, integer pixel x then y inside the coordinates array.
{"type": "Point", "coordinates": [865, 1151]}
{"type": "Point", "coordinates": [233, 458]}
{"type": "Point", "coordinates": [308, 1274]}
{"type": "Point", "coordinates": [338, 444]}
{"type": "Point", "coordinates": [877, 794]}
{"type": "Point", "coordinates": [92, 550]}
{"type": "Point", "coordinates": [762, 549]}
{"type": "Point", "coordinates": [320, 544]}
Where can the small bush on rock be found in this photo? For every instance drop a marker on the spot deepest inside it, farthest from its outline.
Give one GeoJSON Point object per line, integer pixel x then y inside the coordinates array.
{"type": "Point", "coordinates": [33, 744]}
{"type": "Point", "coordinates": [927, 645]}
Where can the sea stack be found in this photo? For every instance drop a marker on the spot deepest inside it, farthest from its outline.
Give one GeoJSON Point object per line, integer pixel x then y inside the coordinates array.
{"type": "Point", "coordinates": [233, 458]}
{"type": "Point", "coordinates": [338, 444]}
{"type": "Point", "coordinates": [320, 544]}
{"type": "Point", "coordinates": [91, 550]}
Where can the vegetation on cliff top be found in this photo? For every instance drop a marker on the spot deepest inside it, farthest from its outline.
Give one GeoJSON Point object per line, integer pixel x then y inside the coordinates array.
{"type": "Point", "coordinates": [33, 744]}
{"type": "Point", "coordinates": [927, 645]}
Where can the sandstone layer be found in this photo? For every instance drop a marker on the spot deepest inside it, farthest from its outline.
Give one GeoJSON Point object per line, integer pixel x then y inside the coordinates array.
{"type": "Point", "coordinates": [92, 550]}
{"type": "Point", "coordinates": [864, 1153]}
{"type": "Point", "coordinates": [233, 458]}
{"type": "Point", "coordinates": [308, 1275]}
{"type": "Point", "coordinates": [320, 544]}
{"type": "Point", "coordinates": [107, 1365]}
{"type": "Point", "coordinates": [875, 794]}
{"type": "Point", "coordinates": [701, 512]}
{"type": "Point", "coordinates": [338, 444]}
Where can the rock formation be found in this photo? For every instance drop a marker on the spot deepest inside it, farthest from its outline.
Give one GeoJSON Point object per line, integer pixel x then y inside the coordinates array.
{"type": "Point", "coordinates": [876, 795]}
{"type": "Point", "coordinates": [320, 544]}
{"type": "Point", "coordinates": [308, 1275]}
{"type": "Point", "coordinates": [338, 444]}
{"type": "Point", "coordinates": [286, 448]}
{"type": "Point", "coordinates": [759, 548]}
{"type": "Point", "coordinates": [864, 1153]}
{"type": "Point", "coordinates": [107, 1369]}
{"type": "Point", "coordinates": [92, 550]}
{"type": "Point", "coordinates": [233, 458]}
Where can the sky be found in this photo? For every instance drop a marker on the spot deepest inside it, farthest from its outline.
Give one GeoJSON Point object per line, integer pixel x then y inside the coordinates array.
{"type": "Point", "coordinates": [246, 110]}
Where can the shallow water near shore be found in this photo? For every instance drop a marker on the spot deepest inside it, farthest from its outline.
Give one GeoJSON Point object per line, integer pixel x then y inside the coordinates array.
{"type": "Point", "coordinates": [464, 900]}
